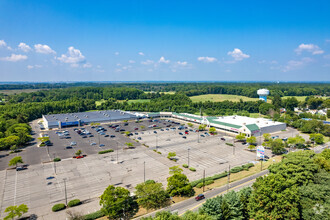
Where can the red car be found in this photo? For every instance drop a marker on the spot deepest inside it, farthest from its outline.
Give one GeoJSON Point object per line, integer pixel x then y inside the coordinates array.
{"type": "Point", "coordinates": [136, 128]}
{"type": "Point", "coordinates": [78, 157]}
{"type": "Point", "coordinates": [199, 197]}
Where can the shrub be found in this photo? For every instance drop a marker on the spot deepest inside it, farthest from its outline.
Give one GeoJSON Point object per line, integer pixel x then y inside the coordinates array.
{"type": "Point", "coordinates": [159, 152]}
{"type": "Point", "coordinates": [94, 215]}
{"type": "Point", "coordinates": [229, 144]}
{"type": "Point", "coordinates": [219, 176]}
{"type": "Point", "coordinates": [57, 159]}
{"type": "Point", "coordinates": [74, 202]}
{"type": "Point", "coordinates": [185, 165]}
{"type": "Point", "coordinates": [58, 207]}
{"type": "Point", "coordinates": [42, 145]}
{"type": "Point", "coordinates": [105, 151]}
{"type": "Point", "coordinates": [175, 160]}
{"type": "Point", "coordinates": [247, 166]}
{"type": "Point", "coordinates": [200, 185]}
{"type": "Point", "coordinates": [192, 169]}
{"type": "Point", "coordinates": [236, 169]}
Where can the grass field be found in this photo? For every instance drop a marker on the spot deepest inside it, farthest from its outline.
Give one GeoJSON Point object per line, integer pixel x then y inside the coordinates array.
{"type": "Point", "coordinates": [97, 103]}
{"type": "Point", "coordinates": [162, 92]}
{"type": "Point", "coordinates": [220, 98]}
{"type": "Point", "coordinates": [300, 98]}
{"type": "Point", "coordinates": [18, 91]}
{"type": "Point", "coordinates": [138, 100]}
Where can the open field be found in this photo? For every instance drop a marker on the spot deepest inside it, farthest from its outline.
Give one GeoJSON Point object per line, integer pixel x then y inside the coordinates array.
{"type": "Point", "coordinates": [220, 98]}
{"type": "Point", "coordinates": [18, 91]}
{"type": "Point", "coordinates": [300, 98]}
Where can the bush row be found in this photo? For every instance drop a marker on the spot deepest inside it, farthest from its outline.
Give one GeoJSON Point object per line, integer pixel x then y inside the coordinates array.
{"type": "Point", "coordinates": [94, 215]}
{"type": "Point", "coordinates": [229, 144]}
{"type": "Point", "coordinates": [61, 206]}
{"type": "Point", "coordinates": [215, 177]}
{"type": "Point", "coordinates": [192, 169]}
{"type": "Point", "coordinates": [200, 185]}
{"type": "Point", "coordinates": [74, 202]}
{"type": "Point", "coordinates": [244, 167]}
{"type": "Point", "coordinates": [105, 151]}
{"type": "Point", "coordinates": [185, 165]}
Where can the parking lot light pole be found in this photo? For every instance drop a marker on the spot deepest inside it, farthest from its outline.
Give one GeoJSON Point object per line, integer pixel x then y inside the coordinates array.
{"type": "Point", "coordinates": [117, 151]}
{"type": "Point", "coordinates": [156, 141]}
{"type": "Point", "coordinates": [66, 198]}
{"type": "Point", "coordinates": [188, 157]}
{"type": "Point", "coordinates": [144, 171]}
{"type": "Point", "coordinates": [54, 163]}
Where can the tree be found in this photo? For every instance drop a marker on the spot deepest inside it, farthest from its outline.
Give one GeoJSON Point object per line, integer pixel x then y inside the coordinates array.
{"type": "Point", "coordinates": [201, 127]}
{"type": "Point", "coordinates": [296, 141]}
{"type": "Point", "coordinates": [15, 161]}
{"type": "Point", "coordinates": [16, 211]}
{"type": "Point", "coordinates": [264, 108]}
{"type": "Point", "coordinates": [151, 195]}
{"type": "Point", "coordinates": [277, 146]}
{"type": "Point", "coordinates": [117, 203]}
{"type": "Point", "coordinates": [190, 124]}
{"type": "Point", "coordinates": [175, 169]}
{"type": "Point", "coordinates": [171, 155]}
{"type": "Point", "coordinates": [142, 127]}
{"type": "Point", "coordinates": [290, 103]}
{"type": "Point", "coordinates": [14, 148]}
{"type": "Point", "coordinates": [317, 138]}
{"type": "Point", "coordinates": [78, 153]}
{"type": "Point", "coordinates": [251, 147]}
{"type": "Point", "coordinates": [178, 185]}
{"type": "Point", "coordinates": [277, 102]}
{"type": "Point", "coordinates": [212, 130]}
{"type": "Point", "coordinates": [129, 145]}
{"type": "Point", "coordinates": [240, 137]}
{"type": "Point", "coordinates": [127, 133]}
{"type": "Point", "coordinates": [266, 136]}
{"type": "Point", "coordinates": [251, 140]}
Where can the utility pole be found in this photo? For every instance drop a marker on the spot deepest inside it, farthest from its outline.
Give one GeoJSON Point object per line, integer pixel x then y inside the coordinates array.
{"type": "Point", "coordinates": [66, 198]}
{"type": "Point", "coordinates": [228, 178]}
{"type": "Point", "coordinates": [261, 164]}
{"type": "Point", "coordinates": [198, 136]}
{"type": "Point", "coordinates": [204, 181]}
{"type": "Point", "coordinates": [144, 171]}
{"type": "Point", "coordinates": [99, 137]}
{"type": "Point", "coordinates": [156, 141]}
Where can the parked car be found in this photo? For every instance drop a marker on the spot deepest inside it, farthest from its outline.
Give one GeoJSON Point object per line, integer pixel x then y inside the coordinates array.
{"type": "Point", "coordinates": [73, 143]}
{"type": "Point", "coordinates": [112, 136]}
{"type": "Point", "coordinates": [223, 139]}
{"type": "Point", "coordinates": [68, 147]}
{"type": "Point", "coordinates": [102, 145]}
{"type": "Point", "coordinates": [162, 129]}
{"type": "Point", "coordinates": [202, 135]}
{"type": "Point", "coordinates": [139, 138]}
{"type": "Point", "coordinates": [136, 128]}
{"type": "Point", "coordinates": [93, 143]}
{"type": "Point", "coordinates": [155, 132]}
{"type": "Point", "coordinates": [106, 135]}
{"type": "Point", "coordinates": [199, 197]}
{"type": "Point", "coordinates": [18, 168]}
{"type": "Point", "coordinates": [84, 136]}
{"type": "Point", "coordinates": [122, 130]}
{"type": "Point", "coordinates": [184, 137]}
{"type": "Point", "coordinates": [91, 135]}
{"type": "Point", "coordinates": [125, 124]}
{"type": "Point", "coordinates": [78, 157]}
{"type": "Point", "coordinates": [180, 133]}
{"type": "Point", "coordinates": [136, 133]}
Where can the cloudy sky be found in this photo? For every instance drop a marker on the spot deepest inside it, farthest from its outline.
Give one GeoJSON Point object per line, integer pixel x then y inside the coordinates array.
{"type": "Point", "coordinates": [164, 40]}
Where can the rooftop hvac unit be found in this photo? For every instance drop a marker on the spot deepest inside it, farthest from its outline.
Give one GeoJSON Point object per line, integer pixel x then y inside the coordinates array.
{"type": "Point", "coordinates": [244, 123]}
{"type": "Point", "coordinates": [257, 121]}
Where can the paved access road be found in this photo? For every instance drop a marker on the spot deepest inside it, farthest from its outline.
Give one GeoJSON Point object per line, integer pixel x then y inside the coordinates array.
{"type": "Point", "coordinates": [191, 204]}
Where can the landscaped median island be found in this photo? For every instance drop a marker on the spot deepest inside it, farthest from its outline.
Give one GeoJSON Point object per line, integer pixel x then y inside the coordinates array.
{"type": "Point", "coordinates": [105, 151]}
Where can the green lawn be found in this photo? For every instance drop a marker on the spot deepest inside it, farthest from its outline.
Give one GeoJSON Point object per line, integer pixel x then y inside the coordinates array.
{"type": "Point", "coordinates": [97, 103]}
{"type": "Point", "coordinates": [220, 98]}
{"type": "Point", "coordinates": [18, 91]}
{"type": "Point", "coordinates": [138, 101]}
{"type": "Point", "coordinates": [300, 98]}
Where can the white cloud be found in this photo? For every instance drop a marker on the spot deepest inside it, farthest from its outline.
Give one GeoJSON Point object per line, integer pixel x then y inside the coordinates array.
{"type": "Point", "coordinates": [312, 48]}
{"type": "Point", "coordinates": [141, 53]}
{"type": "Point", "coordinates": [24, 47]}
{"type": "Point", "coordinates": [14, 58]}
{"type": "Point", "coordinates": [207, 59]}
{"type": "Point", "coordinates": [163, 60]}
{"type": "Point", "coordinates": [4, 44]}
{"type": "Point", "coordinates": [147, 62]}
{"type": "Point", "coordinates": [45, 49]}
{"type": "Point", "coordinates": [34, 66]}
{"type": "Point", "coordinates": [183, 63]}
{"type": "Point", "coordinates": [118, 64]}
{"type": "Point", "coordinates": [238, 55]}
{"type": "Point", "coordinates": [87, 65]}
{"type": "Point", "coordinates": [131, 61]}
{"type": "Point", "coordinates": [116, 53]}
{"type": "Point", "coordinates": [297, 64]}
{"type": "Point", "coordinates": [73, 57]}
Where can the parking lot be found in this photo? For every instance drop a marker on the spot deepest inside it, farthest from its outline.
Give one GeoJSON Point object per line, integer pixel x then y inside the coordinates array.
{"type": "Point", "coordinates": [42, 184]}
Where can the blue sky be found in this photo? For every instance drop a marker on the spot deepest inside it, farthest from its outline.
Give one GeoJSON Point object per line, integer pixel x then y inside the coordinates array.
{"type": "Point", "coordinates": [164, 40]}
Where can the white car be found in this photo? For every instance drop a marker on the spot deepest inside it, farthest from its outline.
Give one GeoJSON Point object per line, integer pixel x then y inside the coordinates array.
{"type": "Point", "coordinates": [93, 143]}
{"type": "Point", "coordinates": [73, 143]}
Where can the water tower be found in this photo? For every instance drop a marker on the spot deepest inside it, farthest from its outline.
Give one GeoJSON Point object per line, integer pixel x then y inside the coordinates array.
{"type": "Point", "coordinates": [263, 93]}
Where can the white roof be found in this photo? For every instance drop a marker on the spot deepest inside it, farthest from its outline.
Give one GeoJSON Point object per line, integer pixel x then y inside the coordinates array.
{"type": "Point", "coordinates": [243, 120]}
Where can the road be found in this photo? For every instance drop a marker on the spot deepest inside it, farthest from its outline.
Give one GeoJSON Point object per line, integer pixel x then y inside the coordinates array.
{"type": "Point", "coordinates": [191, 204]}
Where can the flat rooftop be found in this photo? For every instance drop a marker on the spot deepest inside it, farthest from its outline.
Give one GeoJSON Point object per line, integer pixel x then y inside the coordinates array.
{"type": "Point", "coordinates": [243, 120]}
{"type": "Point", "coordinates": [94, 116]}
